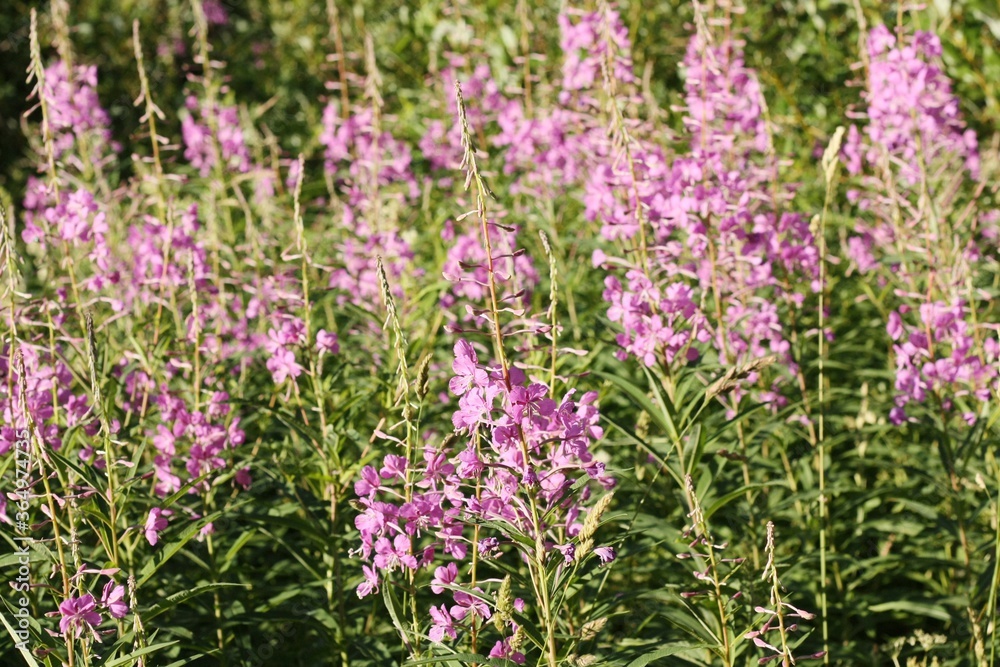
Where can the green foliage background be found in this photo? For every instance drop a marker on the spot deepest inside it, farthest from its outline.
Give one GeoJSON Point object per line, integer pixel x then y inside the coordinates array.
{"type": "Point", "coordinates": [892, 511]}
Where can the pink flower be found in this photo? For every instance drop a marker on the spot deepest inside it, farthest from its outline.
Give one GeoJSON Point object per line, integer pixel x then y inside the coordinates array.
{"type": "Point", "coordinates": [502, 650]}
{"type": "Point", "coordinates": [568, 551]}
{"type": "Point", "coordinates": [393, 466]}
{"type": "Point", "coordinates": [370, 584]}
{"type": "Point", "coordinates": [529, 400]}
{"type": "Point", "coordinates": [467, 372]}
{"type": "Point", "coordinates": [243, 478]}
{"type": "Point", "coordinates": [606, 554]}
{"type": "Point", "coordinates": [470, 465]}
{"type": "Point", "coordinates": [215, 12]}
{"type": "Point", "coordinates": [443, 624]}
{"type": "Point", "coordinates": [327, 342]}
{"type": "Point", "coordinates": [444, 576]}
{"type": "Point", "coordinates": [112, 598]}
{"type": "Point", "coordinates": [390, 555]}
{"type": "Point", "coordinates": [369, 482]}
{"type": "Point", "coordinates": [283, 365]}
{"type": "Point", "coordinates": [155, 523]}
{"type": "Point", "coordinates": [895, 326]}
{"type": "Point", "coordinates": [464, 603]}
{"type": "Point", "coordinates": [78, 613]}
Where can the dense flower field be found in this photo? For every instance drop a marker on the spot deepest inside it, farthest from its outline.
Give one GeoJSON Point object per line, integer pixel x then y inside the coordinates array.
{"type": "Point", "coordinates": [486, 333]}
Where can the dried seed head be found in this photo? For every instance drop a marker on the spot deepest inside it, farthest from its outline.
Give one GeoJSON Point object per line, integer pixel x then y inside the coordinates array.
{"type": "Point", "coordinates": [585, 547]}
{"type": "Point", "coordinates": [94, 381]}
{"type": "Point", "coordinates": [300, 233]}
{"type": "Point", "coordinates": [592, 628]}
{"type": "Point", "coordinates": [373, 80]}
{"type": "Point", "coordinates": [731, 380]}
{"type": "Point", "coordinates": [642, 425]}
{"type": "Point", "coordinates": [517, 639]}
{"type": "Point", "coordinates": [697, 514]}
{"type": "Point", "coordinates": [392, 322]}
{"type": "Point", "coordinates": [593, 519]}
{"type": "Point", "coordinates": [504, 605]}
{"type": "Point", "coordinates": [423, 377]}
{"type": "Point", "coordinates": [553, 276]}
{"type": "Point", "coordinates": [137, 627]}
{"type": "Point", "coordinates": [769, 550]}
{"type": "Point", "coordinates": [831, 154]}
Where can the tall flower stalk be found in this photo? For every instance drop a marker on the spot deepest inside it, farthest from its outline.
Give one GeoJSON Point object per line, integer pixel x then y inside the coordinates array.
{"type": "Point", "coordinates": [537, 563]}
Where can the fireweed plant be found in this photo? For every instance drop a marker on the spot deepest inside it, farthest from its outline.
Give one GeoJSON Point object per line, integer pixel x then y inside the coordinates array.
{"type": "Point", "coordinates": [660, 339]}
{"type": "Point", "coordinates": [507, 487]}
{"type": "Point", "coordinates": [919, 197]}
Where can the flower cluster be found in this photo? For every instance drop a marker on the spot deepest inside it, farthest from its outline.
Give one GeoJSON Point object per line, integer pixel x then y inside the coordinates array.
{"type": "Point", "coordinates": [588, 43]}
{"type": "Point", "coordinates": [61, 209]}
{"type": "Point", "coordinates": [82, 614]}
{"type": "Point", "coordinates": [913, 135]}
{"type": "Point", "coordinates": [937, 355]}
{"type": "Point", "coordinates": [659, 323]}
{"type": "Point", "coordinates": [70, 219]}
{"type": "Point", "coordinates": [913, 117]}
{"type": "Point", "coordinates": [909, 161]}
{"type": "Point", "coordinates": [714, 249]}
{"type": "Point", "coordinates": [80, 126]}
{"type": "Point", "coordinates": [198, 439]}
{"type": "Point", "coordinates": [373, 157]}
{"type": "Point", "coordinates": [517, 441]}
{"type": "Point", "coordinates": [723, 100]}
{"type": "Point", "coordinates": [212, 135]}
{"type": "Point", "coordinates": [710, 225]}
{"type": "Point", "coordinates": [441, 144]}
{"type": "Point", "coordinates": [545, 153]}
{"type": "Point", "coordinates": [372, 169]}
{"type": "Point", "coordinates": [164, 260]}
{"type": "Point", "coordinates": [355, 278]}
{"type": "Point", "coordinates": [46, 383]}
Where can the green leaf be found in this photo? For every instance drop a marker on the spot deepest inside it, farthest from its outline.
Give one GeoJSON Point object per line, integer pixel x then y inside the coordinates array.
{"type": "Point", "coordinates": [698, 437]}
{"type": "Point", "coordinates": [639, 396]}
{"type": "Point", "coordinates": [732, 495]}
{"type": "Point", "coordinates": [664, 653]}
{"type": "Point", "coordinates": [392, 605]}
{"type": "Point", "coordinates": [662, 455]}
{"type": "Point", "coordinates": [169, 549]}
{"type": "Point", "coordinates": [26, 654]}
{"type": "Point", "coordinates": [172, 601]}
{"type": "Point", "coordinates": [235, 548]}
{"type": "Point", "coordinates": [130, 658]}
{"type": "Point", "coordinates": [913, 607]}
{"type": "Point", "coordinates": [186, 661]}
{"type": "Point", "coordinates": [669, 411]}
